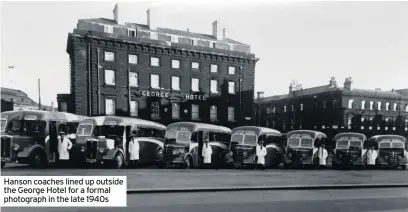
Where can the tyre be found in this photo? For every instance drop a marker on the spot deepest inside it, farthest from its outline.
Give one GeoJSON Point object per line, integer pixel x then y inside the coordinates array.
{"type": "Point", "coordinates": [160, 165]}
{"type": "Point", "coordinates": [286, 165]}
{"type": "Point", "coordinates": [403, 167]}
{"type": "Point", "coordinates": [38, 160]}
{"type": "Point", "coordinates": [2, 164]}
{"type": "Point", "coordinates": [188, 163]}
{"type": "Point", "coordinates": [118, 161]}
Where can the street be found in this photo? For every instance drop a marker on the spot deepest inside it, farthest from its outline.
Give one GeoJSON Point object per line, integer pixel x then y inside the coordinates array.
{"type": "Point", "coordinates": [361, 200]}
{"type": "Point", "coordinates": [146, 178]}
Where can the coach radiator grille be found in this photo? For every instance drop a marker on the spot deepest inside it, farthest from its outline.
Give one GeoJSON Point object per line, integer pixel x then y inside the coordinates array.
{"type": "Point", "coordinates": [91, 149]}
{"type": "Point", "coordinates": [5, 147]}
{"type": "Point", "coordinates": [168, 152]}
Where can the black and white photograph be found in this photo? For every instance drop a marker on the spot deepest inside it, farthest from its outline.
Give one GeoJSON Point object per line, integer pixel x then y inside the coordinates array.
{"type": "Point", "coordinates": [204, 106]}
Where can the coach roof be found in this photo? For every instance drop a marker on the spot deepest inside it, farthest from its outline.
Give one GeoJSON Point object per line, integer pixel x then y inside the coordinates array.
{"type": "Point", "coordinates": [379, 138]}
{"type": "Point", "coordinates": [314, 134]}
{"type": "Point", "coordinates": [350, 134]}
{"type": "Point", "coordinates": [124, 121]}
{"type": "Point", "coordinates": [258, 130]}
{"type": "Point", "coordinates": [200, 126]}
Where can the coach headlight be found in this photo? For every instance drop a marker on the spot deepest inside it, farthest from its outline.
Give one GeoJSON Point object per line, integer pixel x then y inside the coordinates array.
{"type": "Point", "coordinates": [231, 153]}
{"type": "Point", "coordinates": [101, 150]}
{"type": "Point", "coordinates": [82, 149]}
{"type": "Point", "coordinates": [16, 147]}
{"type": "Point", "coordinates": [245, 154]}
{"type": "Point", "coordinates": [160, 152]}
{"type": "Point", "coordinates": [290, 155]}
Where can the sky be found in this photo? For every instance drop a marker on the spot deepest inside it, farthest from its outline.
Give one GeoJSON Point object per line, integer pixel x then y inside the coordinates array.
{"type": "Point", "coordinates": [305, 41]}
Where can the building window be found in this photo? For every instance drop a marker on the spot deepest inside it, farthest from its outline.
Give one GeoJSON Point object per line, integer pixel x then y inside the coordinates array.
{"type": "Point", "coordinates": [154, 36]}
{"type": "Point", "coordinates": [349, 122]}
{"type": "Point", "coordinates": [195, 65]}
{"type": "Point", "coordinates": [175, 111]}
{"type": "Point", "coordinates": [273, 110]}
{"type": "Point", "coordinates": [231, 114]}
{"type": "Point", "coordinates": [293, 108]}
{"type": "Point", "coordinates": [155, 81]}
{"type": "Point", "coordinates": [214, 68]}
{"type": "Point", "coordinates": [395, 107]}
{"type": "Point", "coordinates": [214, 86]}
{"type": "Point", "coordinates": [231, 70]}
{"type": "Point", "coordinates": [231, 87]}
{"type": "Point", "coordinates": [379, 105]}
{"type": "Point", "coordinates": [301, 107]}
{"type": "Point", "coordinates": [350, 103]}
{"type": "Point", "coordinates": [134, 108]}
{"type": "Point", "coordinates": [324, 104]}
{"type": "Point", "coordinates": [175, 64]}
{"type": "Point", "coordinates": [371, 105]}
{"type": "Point", "coordinates": [284, 108]}
{"type": "Point", "coordinates": [110, 106]}
{"type": "Point", "coordinates": [132, 59]}
{"type": "Point", "coordinates": [195, 84]}
{"type": "Point", "coordinates": [108, 29]}
{"type": "Point", "coordinates": [64, 107]}
{"type": "Point", "coordinates": [195, 112]}
{"type": "Point", "coordinates": [334, 103]}
{"type": "Point", "coordinates": [154, 61]}
{"type": "Point", "coordinates": [175, 83]}
{"type": "Point", "coordinates": [110, 77]}
{"type": "Point", "coordinates": [387, 106]}
{"type": "Point", "coordinates": [133, 79]}
{"type": "Point", "coordinates": [213, 113]}
{"type": "Point", "coordinates": [109, 56]}
{"type": "Point", "coordinates": [155, 110]}
{"type": "Point", "coordinates": [363, 104]}
{"type": "Point", "coordinates": [131, 32]}
{"type": "Point", "coordinates": [406, 108]}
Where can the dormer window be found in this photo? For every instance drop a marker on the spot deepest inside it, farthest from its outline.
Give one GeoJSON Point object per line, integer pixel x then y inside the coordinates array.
{"type": "Point", "coordinates": [131, 33]}
{"type": "Point", "coordinates": [108, 29]}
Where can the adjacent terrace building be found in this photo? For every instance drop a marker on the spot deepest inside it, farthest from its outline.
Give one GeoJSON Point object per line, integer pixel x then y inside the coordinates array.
{"type": "Point", "coordinates": [332, 109]}
{"type": "Point", "coordinates": [159, 74]}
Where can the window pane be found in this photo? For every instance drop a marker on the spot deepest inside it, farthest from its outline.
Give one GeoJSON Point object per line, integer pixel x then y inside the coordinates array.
{"type": "Point", "coordinates": [154, 61]}
{"type": "Point", "coordinates": [155, 110]}
{"type": "Point", "coordinates": [231, 87]}
{"type": "Point", "coordinates": [109, 56]}
{"type": "Point", "coordinates": [195, 84]}
{"type": "Point", "coordinates": [133, 79]}
{"type": "Point", "coordinates": [175, 111]}
{"type": "Point", "coordinates": [195, 65]}
{"type": "Point", "coordinates": [109, 77]}
{"type": "Point", "coordinates": [155, 81]}
{"type": "Point", "coordinates": [132, 59]}
{"type": "Point", "coordinates": [110, 107]}
{"type": "Point", "coordinates": [194, 112]}
{"type": "Point", "coordinates": [175, 64]}
{"type": "Point", "coordinates": [231, 114]}
{"type": "Point", "coordinates": [214, 86]}
{"type": "Point", "coordinates": [64, 106]}
{"type": "Point", "coordinates": [134, 108]}
{"type": "Point", "coordinates": [175, 83]}
{"type": "Point", "coordinates": [213, 113]}
{"type": "Point", "coordinates": [231, 70]}
{"type": "Point", "coordinates": [108, 29]}
{"type": "Point", "coordinates": [214, 68]}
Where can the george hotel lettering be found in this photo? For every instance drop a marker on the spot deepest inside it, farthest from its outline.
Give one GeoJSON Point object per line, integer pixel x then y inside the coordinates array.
{"type": "Point", "coordinates": [166, 95]}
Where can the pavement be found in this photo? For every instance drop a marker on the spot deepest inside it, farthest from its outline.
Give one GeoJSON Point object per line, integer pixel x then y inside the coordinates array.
{"type": "Point", "coordinates": [152, 178]}
{"type": "Point", "coordinates": [363, 200]}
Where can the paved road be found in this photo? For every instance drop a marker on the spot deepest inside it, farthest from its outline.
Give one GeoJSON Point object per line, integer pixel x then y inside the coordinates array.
{"type": "Point", "coordinates": [365, 200]}
{"type": "Point", "coordinates": [180, 178]}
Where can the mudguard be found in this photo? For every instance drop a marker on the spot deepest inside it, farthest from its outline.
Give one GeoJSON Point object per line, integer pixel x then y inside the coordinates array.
{"type": "Point", "coordinates": [27, 151]}
{"type": "Point", "coordinates": [110, 154]}
{"type": "Point", "coordinates": [188, 154]}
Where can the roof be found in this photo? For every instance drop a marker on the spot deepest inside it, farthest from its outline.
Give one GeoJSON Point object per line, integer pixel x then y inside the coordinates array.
{"type": "Point", "coordinates": [100, 20]}
{"type": "Point", "coordinates": [350, 134]}
{"type": "Point", "coordinates": [42, 115]}
{"type": "Point", "coordinates": [258, 130]}
{"type": "Point", "coordinates": [200, 126]}
{"type": "Point", "coordinates": [124, 121]}
{"type": "Point", "coordinates": [19, 97]}
{"type": "Point", "coordinates": [378, 138]}
{"type": "Point", "coordinates": [312, 133]}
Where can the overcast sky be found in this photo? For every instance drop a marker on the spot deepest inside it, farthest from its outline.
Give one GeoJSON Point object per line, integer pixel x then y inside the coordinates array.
{"type": "Point", "coordinates": [305, 41]}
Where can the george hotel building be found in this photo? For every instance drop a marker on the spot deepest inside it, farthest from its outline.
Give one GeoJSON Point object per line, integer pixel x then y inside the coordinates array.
{"type": "Point", "coordinates": [158, 74]}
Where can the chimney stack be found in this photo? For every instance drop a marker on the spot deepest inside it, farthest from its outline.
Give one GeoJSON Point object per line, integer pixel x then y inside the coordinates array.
{"type": "Point", "coordinates": [290, 89]}
{"type": "Point", "coordinates": [216, 30]}
{"type": "Point", "coordinates": [116, 13]}
{"type": "Point", "coordinates": [333, 83]}
{"type": "Point", "coordinates": [260, 94]}
{"type": "Point", "coordinates": [223, 33]}
{"type": "Point", "coordinates": [347, 83]}
{"type": "Point", "coordinates": [148, 18]}
{"type": "Point", "coordinates": [188, 30]}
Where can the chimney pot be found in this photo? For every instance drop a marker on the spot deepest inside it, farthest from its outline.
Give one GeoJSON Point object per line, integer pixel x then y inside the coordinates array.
{"type": "Point", "coordinates": [148, 18]}
{"type": "Point", "coordinates": [216, 30]}
{"type": "Point", "coordinates": [116, 13]}
{"type": "Point", "coordinates": [260, 94]}
{"type": "Point", "coordinates": [223, 33]}
{"type": "Point", "coordinates": [188, 30]}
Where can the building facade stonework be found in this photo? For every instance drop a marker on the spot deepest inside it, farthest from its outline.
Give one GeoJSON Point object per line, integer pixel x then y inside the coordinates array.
{"type": "Point", "coordinates": [126, 71]}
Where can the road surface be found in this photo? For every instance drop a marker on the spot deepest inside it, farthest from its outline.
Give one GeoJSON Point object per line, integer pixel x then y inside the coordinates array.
{"type": "Point", "coordinates": [362, 200]}
{"type": "Point", "coordinates": [180, 178]}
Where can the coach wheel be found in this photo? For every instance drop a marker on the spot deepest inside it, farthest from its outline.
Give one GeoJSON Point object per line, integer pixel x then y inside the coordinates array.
{"type": "Point", "coordinates": [286, 165]}
{"type": "Point", "coordinates": [37, 160]}
{"type": "Point", "coordinates": [118, 161]}
{"type": "Point", "coordinates": [2, 164]}
{"type": "Point", "coordinates": [188, 163]}
{"type": "Point", "coordinates": [403, 167]}
{"type": "Point", "coordinates": [160, 165]}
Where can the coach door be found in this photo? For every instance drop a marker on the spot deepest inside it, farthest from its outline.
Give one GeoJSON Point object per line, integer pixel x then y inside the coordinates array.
{"type": "Point", "coordinates": [53, 141]}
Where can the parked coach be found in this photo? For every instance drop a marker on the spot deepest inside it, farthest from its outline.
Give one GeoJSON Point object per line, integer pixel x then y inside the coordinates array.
{"type": "Point", "coordinates": [349, 151]}
{"type": "Point", "coordinates": [392, 151]}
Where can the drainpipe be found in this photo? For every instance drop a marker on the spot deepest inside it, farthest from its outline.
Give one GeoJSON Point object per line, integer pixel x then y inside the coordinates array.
{"type": "Point", "coordinates": [128, 89]}
{"type": "Point", "coordinates": [98, 86]}
{"type": "Point", "coordinates": [89, 76]}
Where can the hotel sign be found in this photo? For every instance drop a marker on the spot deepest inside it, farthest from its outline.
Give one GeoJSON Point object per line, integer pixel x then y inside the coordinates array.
{"type": "Point", "coordinates": [167, 95]}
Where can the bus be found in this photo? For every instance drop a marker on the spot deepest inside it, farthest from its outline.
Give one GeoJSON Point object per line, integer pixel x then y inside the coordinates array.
{"type": "Point", "coordinates": [242, 148]}
{"type": "Point", "coordinates": [348, 151]}
{"type": "Point", "coordinates": [31, 136]}
{"type": "Point", "coordinates": [391, 149]}
{"type": "Point", "coordinates": [184, 141]}
{"type": "Point", "coordinates": [302, 146]}
{"type": "Point", "coordinates": [105, 140]}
